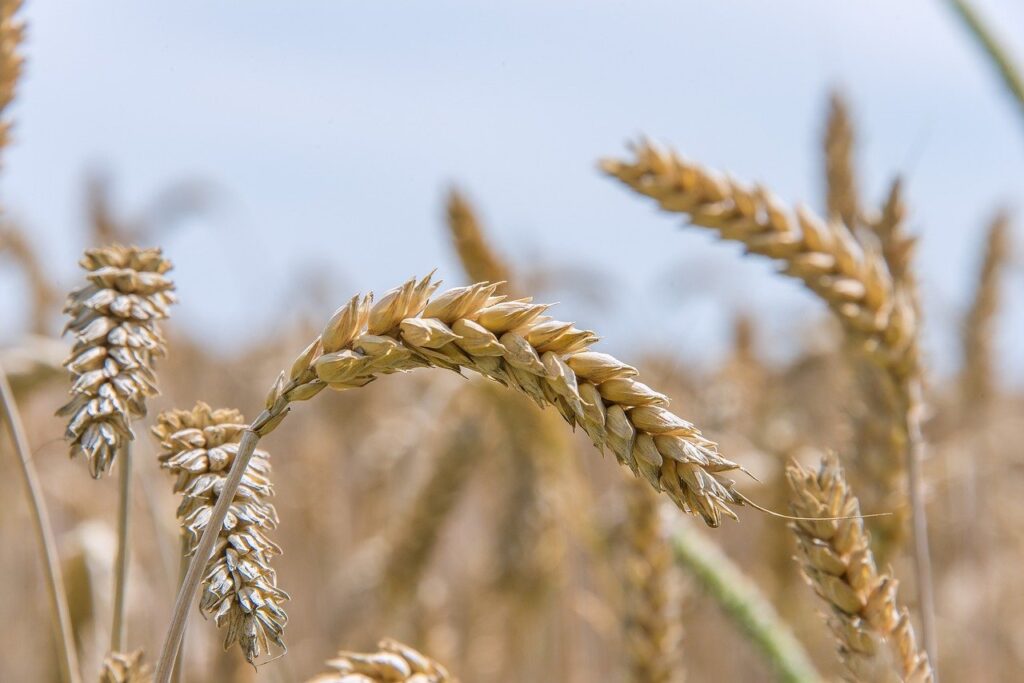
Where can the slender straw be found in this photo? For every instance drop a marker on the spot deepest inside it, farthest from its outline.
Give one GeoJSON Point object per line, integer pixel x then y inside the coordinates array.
{"type": "Point", "coordinates": [70, 672]}
{"type": "Point", "coordinates": [124, 519]}
{"type": "Point", "coordinates": [179, 659]}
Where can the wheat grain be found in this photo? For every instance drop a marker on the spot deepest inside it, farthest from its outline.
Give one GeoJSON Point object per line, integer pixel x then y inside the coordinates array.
{"type": "Point", "coordinates": [392, 663]}
{"type": "Point", "coordinates": [646, 566]}
{"type": "Point", "coordinates": [875, 636]}
{"type": "Point", "coordinates": [121, 667]}
{"type": "Point", "coordinates": [114, 319]}
{"type": "Point", "coordinates": [978, 329]}
{"type": "Point", "coordinates": [240, 587]}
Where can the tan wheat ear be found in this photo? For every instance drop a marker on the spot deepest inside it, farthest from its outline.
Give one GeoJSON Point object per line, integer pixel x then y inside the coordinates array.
{"type": "Point", "coordinates": [513, 343]}
{"type": "Point", "coordinates": [875, 635]}
{"type": "Point", "coordinates": [878, 313]}
{"type": "Point", "coordinates": [114, 319]}
{"type": "Point", "coordinates": [125, 667]}
{"type": "Point", "coordinates": [842, 195]}
{"type": "Point", "coordinates": [239, 586]}
{"type": "Point", "coordinates": [978, 372]}
{"type": "Point", "coordinates": [392, 663]}
{"type": "Point", "coordinates": [478, 259]}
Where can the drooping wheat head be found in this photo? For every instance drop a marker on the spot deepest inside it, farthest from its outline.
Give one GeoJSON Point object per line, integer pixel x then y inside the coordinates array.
{"type": "Point", "coordinates": [125, 667]}
{"type": "Point", "coordinates": [874, 633]}
{"type": "Point", "coordinates": [240, 587]}
{"type": "Point", "coordinates": [114, 318]}
{"type": "Point", "coordinates": [842, 194]}
{"type": "Point", "coordinates": [979, 324]}
{"type": "Point", "coordinates": [392, 663]}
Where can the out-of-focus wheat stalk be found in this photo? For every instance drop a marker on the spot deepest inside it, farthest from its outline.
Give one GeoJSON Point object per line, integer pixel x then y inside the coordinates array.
{"type": "Point", "coordinates": [877, 313]}
{"type": "Point", "coordinates": [977, 380]}
{"type": "Point", "coordinates": [125, 667]}
{"type": "Point", "coordinates": [994, 50]}
{"type": "Point", "coordinates": [842, 196]}
{"type": "Point", "coordinates": [392, 663]}
{"type": "Point", "coordinates": [511, 342]}
{"type": "Point", "coordinates": [745, 604]}
{"type": "Point", "coordinates": [240, 587]}
{"type": "Point", "coordinates": [646, 567]}
{"type": "Point", "coordinates": [875, 635]}
{"type": "Point", "coordinates": [44, 532]}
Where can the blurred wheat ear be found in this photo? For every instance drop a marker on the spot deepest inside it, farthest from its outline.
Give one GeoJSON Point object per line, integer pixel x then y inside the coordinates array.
{"type": "Point", "coordinates": [121, 667]}
{"type": "Point", "coordinates": [875, 635]}
{"type": "Point", "coordinates": [392, 663]}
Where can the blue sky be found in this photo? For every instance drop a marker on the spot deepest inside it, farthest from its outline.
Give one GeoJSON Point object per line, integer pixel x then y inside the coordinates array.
{"type": "Point", "coordinates": [328, 132]}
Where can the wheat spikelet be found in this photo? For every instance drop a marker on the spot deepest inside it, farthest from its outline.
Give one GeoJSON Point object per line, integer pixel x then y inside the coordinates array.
{"type": "Point", "coordinates": [478, 259]}
{"type": "Point", "coordinates": [897, 246]}
{"type": "Point", "coordinates": [646, 567]}
{"type": "Point", "coordinates": [240, 587]}
{"type": "Point", "coordinates": [114, 319]}
{"type": "Point", "coordinates": [842, 197]}
{"type": "Point", "coordinates": [978, 329]}
{"type": "Point", "coordinates": [876, 638]}
{"type": "Point", "coordinates": [416, 536]}
{"type": "Point", "coordinates": [125, 667]}
{"type": "Point", "coordinates": [392, 663]}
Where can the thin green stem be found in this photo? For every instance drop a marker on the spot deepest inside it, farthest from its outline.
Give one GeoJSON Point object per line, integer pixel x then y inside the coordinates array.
{"type": "Point", "coordinates": [124, 523]}
{"type": "Point", "coordinates": [744, 603]}
{"type": "Point", "coordinates": [70, 672]}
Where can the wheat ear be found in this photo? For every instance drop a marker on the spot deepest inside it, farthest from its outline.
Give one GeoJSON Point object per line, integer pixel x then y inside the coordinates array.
{"type": "Point", "coordinates": [125, 667]}
{"type": "Point", "coordinates": [744, 603]}
{"type": "Point", "coordinates": [239, 586]}
{"type": "Point", "coordinates": [877, 315]}
{"type": "Point", "coordinates": [392, 663]}
{"type": "Point", "coordinates": [979, 323]}
{"type": "Point", "coordinates": [480, 261]}
{"type": "Point", "coordinates": [513, 343]}
{"type": "Point", "coordinates": [842, 198]}
{"type": "Point", "coordinates": [646, 567]}
{"type": "Point", "coordinates": [875, 635]}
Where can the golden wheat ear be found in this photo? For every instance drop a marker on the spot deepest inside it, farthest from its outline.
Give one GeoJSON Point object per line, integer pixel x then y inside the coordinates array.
{"type": "Point", "coordinates": [125, 667]}
{"type": "Point", "coordinates": [239, 586]}
{"type": "Point", "coordinates": [392, 663]}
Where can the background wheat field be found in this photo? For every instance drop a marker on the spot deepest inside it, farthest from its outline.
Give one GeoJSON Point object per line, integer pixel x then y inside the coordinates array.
{"type": "Point", "coordinates": [778, 439]}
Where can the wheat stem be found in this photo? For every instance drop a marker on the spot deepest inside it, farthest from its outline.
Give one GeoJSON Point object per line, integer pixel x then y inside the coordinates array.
{"type": "Point", "coordinates": [745, 604]}
{"type": "Point", "coordinates": [118, 627]}
{"type": "Point", "coordinates": [44, 532]}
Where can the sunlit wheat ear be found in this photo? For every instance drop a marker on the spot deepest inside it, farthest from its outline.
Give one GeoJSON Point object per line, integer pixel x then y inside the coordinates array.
{"type": "Point", "coordinates": [478, 259]}
{"type": "Point", "coordinates": [392, 663]}
{"type": "Point", "coordinates": [874, 633]}
{"type": "Point", "coordinates": [240, 588]}
{"type": "Point", "coordinates": [515, 344]}
{"type": "Point", "coordinates": [122, 667]}
{"type": "Point", "coordinates": [114, 318]}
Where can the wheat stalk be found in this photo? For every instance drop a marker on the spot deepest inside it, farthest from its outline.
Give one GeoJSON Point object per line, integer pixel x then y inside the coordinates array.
{"type": "Point", "coordinates": [875, 635]}
{"type": "Point", "coordinates": [841, 197]}
{"type": "Point", "coordinates": [239, 586]}
{"type": "Point", "coordinates": [979, 323]}
{"type": "Point", "coordinates": [125, 667]}
{"type": "Point", "coordinates": [511, 342]}
{"type": "Point", "coordinates": [877, 314]}
{"type": "Point", "coordinates": [646, 567]}
{"type": "Point", "coordinates": [392, 663]}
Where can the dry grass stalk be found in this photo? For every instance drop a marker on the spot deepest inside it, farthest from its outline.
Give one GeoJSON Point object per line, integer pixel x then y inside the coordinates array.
{"type": "Point", "coordinates": [114, 319]}
{"type": "Point", "coordinates": [513, 343]}
{"type": "Point", "coordinates": [977, 381]}
{"type": "Point", "coordinates": [878, 313]}
{"type": "Point", "coordinates": [415, 538]}
{"type": "Point", "coordinates": [478, 259]}
{"type": "Point", "coordinates": [842, 196]}
{"type": "Point", "coordinates": [875, 635]}
{"type": "Point", "coordinates": [392, 663]}
{"type": "Point", "coordinates": [646, 567]}
{"type": "Point", "coordinates": [239, 588]}
{"type": "Point", "coordinates": [121, 667]}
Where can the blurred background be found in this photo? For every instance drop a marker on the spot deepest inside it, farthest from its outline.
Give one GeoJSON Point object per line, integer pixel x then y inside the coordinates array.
{"type": "Point", "coordinates": [287, 157]}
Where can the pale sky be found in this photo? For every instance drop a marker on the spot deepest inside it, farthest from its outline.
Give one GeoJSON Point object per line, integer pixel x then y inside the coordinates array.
{"type": "Point", "coordinates": [329, 130]}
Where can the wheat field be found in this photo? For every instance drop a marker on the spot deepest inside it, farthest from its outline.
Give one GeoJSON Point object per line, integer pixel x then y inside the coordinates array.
{"type": "Point", "coordinates": [451, 481]}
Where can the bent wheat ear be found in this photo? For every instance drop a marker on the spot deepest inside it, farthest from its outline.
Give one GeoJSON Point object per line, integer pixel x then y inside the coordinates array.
{"type": "Point", "coordinates": [114, 319]}
{"type": "Point", "coordinates": [875, 636]}
{"type": "Point", "coordinates": [240, 588]}
{"type": "Point", "coordinates": [392, 663]}
{"type": "Point", "coordinates": [122, 667]}
{"type": "Point", "coordinates": [557, 370]}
